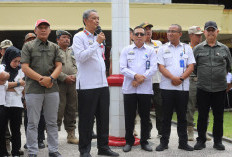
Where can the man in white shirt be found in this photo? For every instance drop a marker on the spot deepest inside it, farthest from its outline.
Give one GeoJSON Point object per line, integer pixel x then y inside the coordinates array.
{"type": "Point", "coordinates": [138, 63]}
{"type": "Point", "coordinates": [92, 86]}
{"type": "Point", "coordinates": [176, 63]}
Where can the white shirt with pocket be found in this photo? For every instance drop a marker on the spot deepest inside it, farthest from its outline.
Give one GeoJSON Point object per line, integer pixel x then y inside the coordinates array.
{"type": "Point", "coordinates": [134, 60]}
{"type": "Point", "coordinates": [170, 56]}
{"type": "Point", "coordinates": [90, 63]}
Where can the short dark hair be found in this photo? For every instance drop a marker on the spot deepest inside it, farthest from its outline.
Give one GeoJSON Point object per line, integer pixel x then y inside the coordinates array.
{"type": "Point", "coordinates": [137, 27]}
{"type": "Point", "coordinates": [131, 30]}
{"type": "Point", "coordinates": [177, 25]}
{"type": "Point", "coordinates": [87, 13]}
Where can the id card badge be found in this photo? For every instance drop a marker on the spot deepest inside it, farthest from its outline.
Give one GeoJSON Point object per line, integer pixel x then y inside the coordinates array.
{"type": "Point", "coordinates": [147, 65]}
{"type": "Point", "coordinates": [182, 63]}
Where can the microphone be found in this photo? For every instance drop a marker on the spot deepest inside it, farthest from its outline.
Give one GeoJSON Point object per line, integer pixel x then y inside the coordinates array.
{"type": "Point", "coordinates": [99, 30]}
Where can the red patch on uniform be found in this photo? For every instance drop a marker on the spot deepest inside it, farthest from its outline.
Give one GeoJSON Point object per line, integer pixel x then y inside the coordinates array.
{"type": "Point", "coordinates": [198, 28]}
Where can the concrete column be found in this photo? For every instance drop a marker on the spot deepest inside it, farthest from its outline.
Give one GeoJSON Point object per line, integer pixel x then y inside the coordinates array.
{"type": "Point", "coordinates": [120, 39]}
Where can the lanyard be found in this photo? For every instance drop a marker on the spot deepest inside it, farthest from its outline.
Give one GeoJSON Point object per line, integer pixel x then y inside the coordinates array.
{"type": "Point", "coordinates": [182, 64]}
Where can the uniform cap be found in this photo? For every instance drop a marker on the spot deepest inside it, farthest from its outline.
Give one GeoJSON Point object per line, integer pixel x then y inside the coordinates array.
{"type": "Point", "coordinates": [146, 24]}
{"type": "Point", "coordinates": [194, 30]}
{"type": "Point", "coordinates": [62, 32]}
{"type": "Point", "coordinates": [29, 35]}
{"type": "Point", "coordinates": [6, 43]}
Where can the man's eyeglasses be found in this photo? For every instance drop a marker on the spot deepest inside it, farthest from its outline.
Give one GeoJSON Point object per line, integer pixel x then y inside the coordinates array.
{"type": "Point", "coordinates": [141, 34]}
{"type": "Point", "coordinates": [173, 31]}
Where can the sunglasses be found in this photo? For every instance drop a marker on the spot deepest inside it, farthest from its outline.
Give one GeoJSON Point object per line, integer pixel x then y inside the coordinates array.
{"type": "Point", "coordinates": [141, 34]}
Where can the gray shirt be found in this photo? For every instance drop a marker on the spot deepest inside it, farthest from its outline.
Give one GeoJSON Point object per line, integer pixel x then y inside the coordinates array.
{"type": "Point", "coordinates": [212, 66]}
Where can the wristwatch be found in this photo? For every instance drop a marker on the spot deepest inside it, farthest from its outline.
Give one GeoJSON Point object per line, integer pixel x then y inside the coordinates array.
{"type": "Point", "coordinates": [52, 79]}
{"type": "Point", "coordinates": [18, 84]}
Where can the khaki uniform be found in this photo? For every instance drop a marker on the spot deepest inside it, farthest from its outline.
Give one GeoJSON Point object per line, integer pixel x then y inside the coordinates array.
{"type": "Point", "coordinates": [191, 107]}
{"type": "Point", "coordinates": [68, 93]}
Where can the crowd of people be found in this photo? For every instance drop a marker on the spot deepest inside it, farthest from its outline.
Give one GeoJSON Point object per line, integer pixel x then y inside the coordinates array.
{"type": "Point", "coordinates": [48, 80]}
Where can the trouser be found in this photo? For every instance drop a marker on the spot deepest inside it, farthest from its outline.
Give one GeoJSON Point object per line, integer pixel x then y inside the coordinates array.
{"type": "Point", "coordinates": [8, 134]}
{"type": "Point", "coordinates": [41, 126]}
{"type": "Point", "coordinates": [49, 102]}
{"type": "Point", "coordinates": [174, 99]}
{"type": "Point", "coordinates": [93, 102]}
{"type": "Point", "coordinates": [158, 106]}
{"type": "Point", "coordinates": [67, 106]}
{"type": "Point", "coordinates": [131, 103]}
{"type": "Point", "coordinates": [14, 115]}
{"type": "Point", "coordinates": [215, 100]}
{"type": "Point", "coordinates": [191, 107]}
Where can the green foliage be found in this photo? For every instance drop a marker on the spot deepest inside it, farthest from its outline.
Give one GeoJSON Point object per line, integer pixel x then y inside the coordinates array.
{"type": "Point", "coordinates": [227, 125]}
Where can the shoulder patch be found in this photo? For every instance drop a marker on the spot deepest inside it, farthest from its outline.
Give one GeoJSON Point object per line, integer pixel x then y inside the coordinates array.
{"type": "Point", "coordinates": [155, 44]}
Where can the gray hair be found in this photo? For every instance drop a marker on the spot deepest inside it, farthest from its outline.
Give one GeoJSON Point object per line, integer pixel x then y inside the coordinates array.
{"type": "Point", "coordinates": [179, 27]}
{"type": "Point", "coordinates": [87, 13]}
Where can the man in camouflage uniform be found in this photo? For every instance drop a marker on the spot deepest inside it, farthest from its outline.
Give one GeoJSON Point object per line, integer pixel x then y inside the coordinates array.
{"type": "Point", "coordinates": [67, 86]}
{"type": "Point", "coordinates": [4, 45]}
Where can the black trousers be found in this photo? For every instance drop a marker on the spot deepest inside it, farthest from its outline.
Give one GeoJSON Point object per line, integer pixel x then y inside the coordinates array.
{"type": "Point", "coordinates": [93, 102]}
{"type": "Point", "coordinates": [41, 126]}
{"type": "Point", "coordinates": [157, 100]}
{"type": "Point", "coordinates": [14, 115]}
{"type": "Point", "coordinates": [178, 100]}
{"type": "Point", "coordinates": [215, 100]}
{"type": "Point", "coordinates": [131, 103]}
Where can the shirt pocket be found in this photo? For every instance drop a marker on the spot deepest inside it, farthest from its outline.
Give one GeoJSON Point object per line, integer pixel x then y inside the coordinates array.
{"type": "Point", "coordinates": [131, 60]}
{"type": "Point", "coordinates": [203, 58]}
{"type": "Point", "coordinates": [219, 58]}
{"type": "Point", "coordinates": [50, 60]}
{"type": "Point", "coordinates": [168, 59]}
{"type": "Point", "coordinates": [35, 60]}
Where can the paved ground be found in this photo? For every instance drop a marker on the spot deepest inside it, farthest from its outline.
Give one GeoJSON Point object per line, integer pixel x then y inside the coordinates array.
{"type": "Point", "coordinates": [68, 150]}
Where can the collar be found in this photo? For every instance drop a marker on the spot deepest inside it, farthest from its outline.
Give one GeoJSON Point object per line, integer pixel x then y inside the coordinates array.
{"type": "Point", "coordinates": [180, 44]}
{"type": "Point", "coordinates": [88, 33]}
{"type": "Point", "coordinates": [40, 42]}
{"type": "Point", "coordinates": [63, 50]}
{"type": "Point", "coordinates": [134, 46]}
{"type": "Point", "coordinates": [217, 43]}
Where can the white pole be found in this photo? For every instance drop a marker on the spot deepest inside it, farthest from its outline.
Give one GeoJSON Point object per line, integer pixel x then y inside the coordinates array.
{"type": "Point", "coordinates": [120, 39]}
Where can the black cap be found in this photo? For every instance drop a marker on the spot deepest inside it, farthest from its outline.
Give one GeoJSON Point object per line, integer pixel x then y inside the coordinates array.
{"type": "Point", "coordinates": [210, 24]}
